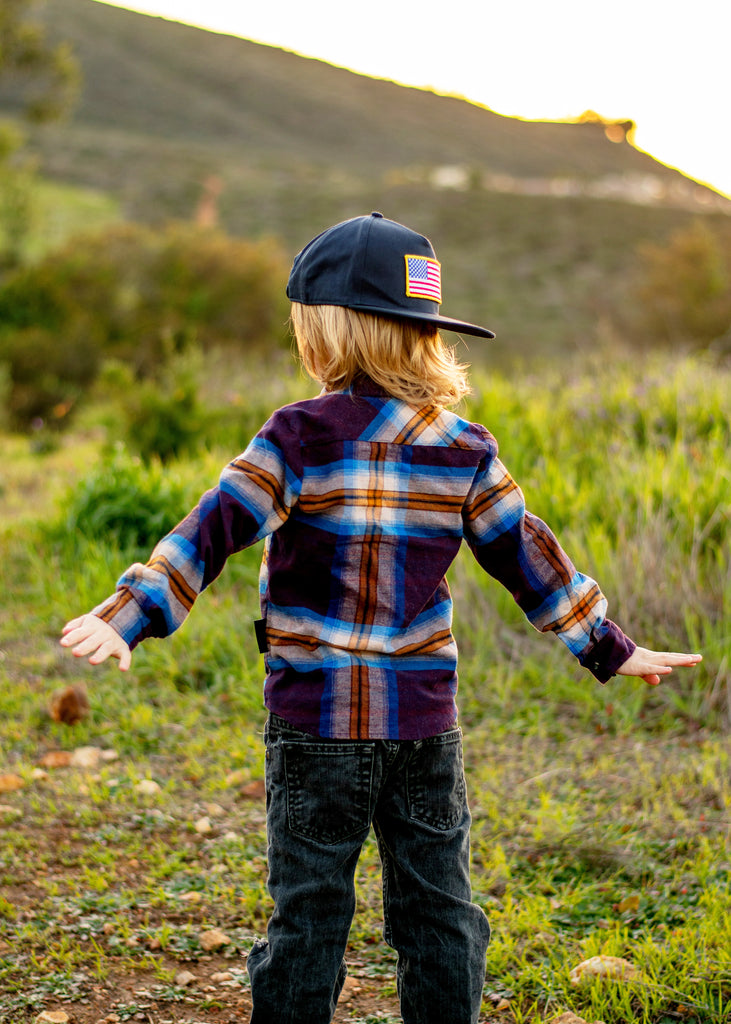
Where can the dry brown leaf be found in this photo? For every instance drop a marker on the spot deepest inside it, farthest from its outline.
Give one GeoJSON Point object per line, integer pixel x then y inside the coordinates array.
{"type": "Point", "coordinates": [614, 968]}
{"type": "Point", "coordinates": [628, 903]}
{"type": "Point", "coordinates": [9, 783]}
{"type": "Point", "coordinates": [56, 759]}
{"type": "Point", "coordinates": [69, 705]}
{"type": "Point", "coordinates": [255, 790]}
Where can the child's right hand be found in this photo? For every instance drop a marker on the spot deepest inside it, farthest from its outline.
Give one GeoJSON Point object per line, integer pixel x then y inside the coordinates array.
{"type": "Point", "coordinates": [91, 635]}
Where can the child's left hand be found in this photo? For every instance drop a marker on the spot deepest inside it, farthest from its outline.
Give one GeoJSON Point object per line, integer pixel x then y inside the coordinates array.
{"type": "Point", "coordinates": [650, 665]}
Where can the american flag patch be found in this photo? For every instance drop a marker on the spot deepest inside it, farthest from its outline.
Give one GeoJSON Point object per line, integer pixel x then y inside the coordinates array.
{"type": "Point", "coordinates": [423, 278]}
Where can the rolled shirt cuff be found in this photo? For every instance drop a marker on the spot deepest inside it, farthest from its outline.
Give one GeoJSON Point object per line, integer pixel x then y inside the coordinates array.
{"type": "Point", "coordinates": [607, 654]}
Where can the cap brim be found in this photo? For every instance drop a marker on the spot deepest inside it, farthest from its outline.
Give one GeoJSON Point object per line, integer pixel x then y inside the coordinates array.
{"type": "Point", "coordinates": [446, 322]}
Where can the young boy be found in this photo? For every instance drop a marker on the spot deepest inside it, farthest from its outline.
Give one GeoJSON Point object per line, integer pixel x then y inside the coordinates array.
{"type": "Point", "coordinates": [364, 496]}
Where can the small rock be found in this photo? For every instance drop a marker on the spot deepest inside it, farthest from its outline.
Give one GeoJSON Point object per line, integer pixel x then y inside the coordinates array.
{"type": "Point", "coordinates": [86, 757]}
{"type": "Point", "coordinates": [203, 826]}
{"type": "Point", "coordinates": [52, 1017]}
{"type": "Point", "coordinates": [147, 787]}
{"type": "Point", "coordinates": [220, 976]}
{"type": "Point", "coordinates": [185, 978]}
{"type": "Point", "coordinates": [213, 939]}
{"type": "Point", "coordinates": [110, 755]}
{"type": "Point", "coordinates": [10, 782]}
{"type": "Point", "coordinates": [568, 1018]}
{"type": "Point", "coordinates": [215, 810]}
{"type": "Point", "coordinates": [39, 774]}
{"type": "Point", "coordinates": [351, 988]}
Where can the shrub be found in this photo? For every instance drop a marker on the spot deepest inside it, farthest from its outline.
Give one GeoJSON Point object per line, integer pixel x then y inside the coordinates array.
{"type": "Point", "coordinates": [684, 288]}
{"type": "Point", "coordinates": [124, 502]}
{"type": "Point", "coordinates": [136, 295]}
{"type": "Point", "coordinates": [48, 371]}
{"type": "Point", "coordinates": [163, 416]}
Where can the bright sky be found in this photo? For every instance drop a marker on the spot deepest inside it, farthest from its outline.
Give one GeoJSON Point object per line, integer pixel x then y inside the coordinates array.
{"type": "Point", "coordinates": [664, 65]}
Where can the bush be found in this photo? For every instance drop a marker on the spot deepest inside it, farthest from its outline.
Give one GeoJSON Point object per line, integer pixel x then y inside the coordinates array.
{"type": "Point", "coordinates": [684, 288]}
{"type": "Point", "coordinates": [125, 503]}
{"type": "Point", "coordinates": [139, 296]}
{"type": "Point", "coordinates": [48, 372]}
{"type": "Point", "coordinates": [163, 416]}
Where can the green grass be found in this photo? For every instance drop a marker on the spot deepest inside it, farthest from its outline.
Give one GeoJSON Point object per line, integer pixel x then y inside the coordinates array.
{"type": "Point", "coordinates": [62, 211]}
{"type": "Point", "coordinates": [602, 815]}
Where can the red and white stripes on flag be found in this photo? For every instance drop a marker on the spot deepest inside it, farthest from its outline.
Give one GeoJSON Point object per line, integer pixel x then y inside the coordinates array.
{"type": "Point", "coordinates": [423, 278]}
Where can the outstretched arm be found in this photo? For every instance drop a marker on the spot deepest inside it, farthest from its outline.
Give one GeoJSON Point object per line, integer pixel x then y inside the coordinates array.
{"type": "Point", "coordinates": [253, 498]}
{"type": "Point", "coordinates": [650, 665]}
{"type": "Point", "coordinates": [521, 552]}
{"type": "Point", "coordinates": [90, 635]}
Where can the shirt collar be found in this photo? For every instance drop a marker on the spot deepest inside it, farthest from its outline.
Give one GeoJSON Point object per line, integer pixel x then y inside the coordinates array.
{"type": "Point", "coordinates": [363, 385]}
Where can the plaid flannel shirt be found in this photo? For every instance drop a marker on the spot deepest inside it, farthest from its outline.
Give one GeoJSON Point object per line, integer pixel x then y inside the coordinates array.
{"type": "Point", "coordinates": [364, 502]}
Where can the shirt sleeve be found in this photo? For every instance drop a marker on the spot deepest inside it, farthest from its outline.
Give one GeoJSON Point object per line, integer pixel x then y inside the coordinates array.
{"type": "Point", "coordinates": [254, 497]}
{"type": "Point", "coordinates": [521, 552]}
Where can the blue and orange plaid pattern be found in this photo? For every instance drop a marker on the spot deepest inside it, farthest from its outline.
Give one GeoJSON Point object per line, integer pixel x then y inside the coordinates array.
{"type": "Point", "coordinates": [364, 502]}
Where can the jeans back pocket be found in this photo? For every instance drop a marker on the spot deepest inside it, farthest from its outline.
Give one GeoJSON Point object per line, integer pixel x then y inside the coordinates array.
{"type": "Point", "coordinates": [436, 788]}
{"type": "Point", "coordinates": [328, 788]}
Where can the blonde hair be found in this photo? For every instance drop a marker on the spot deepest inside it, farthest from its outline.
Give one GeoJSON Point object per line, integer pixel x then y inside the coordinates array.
{"type": "Point", "coordinates": [407, 358]}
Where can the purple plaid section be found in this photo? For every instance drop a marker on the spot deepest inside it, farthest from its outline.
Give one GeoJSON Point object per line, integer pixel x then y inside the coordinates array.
{"type": "Point", "coordinates": [364, 502]}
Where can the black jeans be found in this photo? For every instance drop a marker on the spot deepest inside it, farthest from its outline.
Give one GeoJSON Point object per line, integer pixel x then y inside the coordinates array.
{"type": "Point", "coordinates": [322, 797]}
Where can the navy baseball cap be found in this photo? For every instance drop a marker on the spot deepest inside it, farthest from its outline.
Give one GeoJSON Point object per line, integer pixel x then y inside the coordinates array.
{"type": "Point", "coordinates": [374, 265]}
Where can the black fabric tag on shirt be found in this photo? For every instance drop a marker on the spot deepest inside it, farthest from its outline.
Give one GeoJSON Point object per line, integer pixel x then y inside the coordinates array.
{"type": "Point", "coordinates": [260, 628]}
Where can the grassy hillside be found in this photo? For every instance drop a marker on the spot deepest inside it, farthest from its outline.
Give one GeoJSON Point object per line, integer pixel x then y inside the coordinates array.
{"type": "Point", "coordinates": [155, 77]}
{"type": "Point", "coordinates": [536, 230]}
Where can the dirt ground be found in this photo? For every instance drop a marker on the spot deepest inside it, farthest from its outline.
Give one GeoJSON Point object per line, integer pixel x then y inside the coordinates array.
{"type": "Point", "coordinates": [215, 995]}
